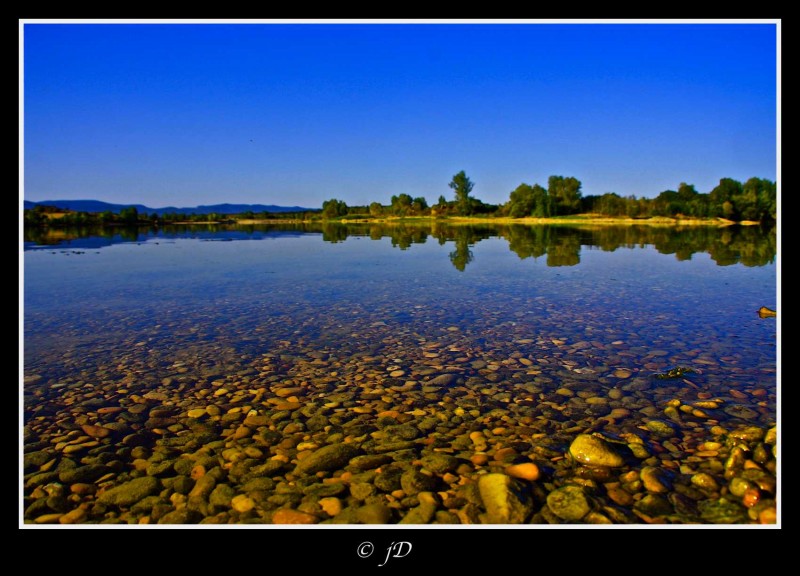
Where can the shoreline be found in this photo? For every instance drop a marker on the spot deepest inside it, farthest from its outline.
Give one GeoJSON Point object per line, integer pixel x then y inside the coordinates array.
{"type": "Point", "coordinates": [576, 220]}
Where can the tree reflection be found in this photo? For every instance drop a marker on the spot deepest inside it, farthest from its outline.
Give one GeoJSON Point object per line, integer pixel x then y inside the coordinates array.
{"type": "Point", "coordinates": [462, 255]}
{"type": "Point", "coordinates": [747, 245]}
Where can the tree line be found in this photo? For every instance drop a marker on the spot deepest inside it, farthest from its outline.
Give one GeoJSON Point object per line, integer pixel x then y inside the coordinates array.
{"type": "Point", "coordinates": [50, 216]}
{"type": "Point", "coordinates": [753, 200]}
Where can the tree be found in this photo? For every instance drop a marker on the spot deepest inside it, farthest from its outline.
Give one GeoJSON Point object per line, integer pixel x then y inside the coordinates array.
{"type": "Point", "coordinates": [462, 186]}
{"type": "Point", "coordinates": [688, 200]}
{"type": "Point", "coordinates": [401, 204]}
{"type": "Point", "coordinates": [565, 194]}
{"type": "Point", "coordinates": [721, 198]}
{"type": "Point", "coordinates": [521, 201]}
{"type": "Point", "coordinates": [666, 203]}
{"type": "Point", "coordinates": [333, 208]}
{"type": "Point", "coordinates": [129, 215]}
{"type": "Point", "coordinates": [542, 203]}
{"type": "Point", "coordinates": [758, 200]}
{"type": "Point", "coordinates": [375, 209]}
{"type": "Point", "coordinates": [419, 205]}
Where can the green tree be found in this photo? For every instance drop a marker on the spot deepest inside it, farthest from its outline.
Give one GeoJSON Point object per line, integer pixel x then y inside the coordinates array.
{"type": "Point", "coordinates": [721, 198]}
{"type": "Point", "coordinates": [375, 209]}
{"type": "Point", "coordinates": [667, 203]}
{"type": "Point", "coordinates": [129, 215]}
{"type": "Point", "coordinates": [758, 200]}
{"type": "Point", "coordinates": [419, 205]}
{"type": "Point", "coordinates": [463, 187]}
{"type": "Point", "coordinates": [333, 208]}
{"type": "Point", "coordinates": [441, 206]}
{"type": "Point", "coordinates": [688, 200]}
{"type": "Point", "coordinates": [521, 201]}
{"type": "Point", "coordinates": [401, 204]}
{"type": "Point", "coordinates": [565, 194]}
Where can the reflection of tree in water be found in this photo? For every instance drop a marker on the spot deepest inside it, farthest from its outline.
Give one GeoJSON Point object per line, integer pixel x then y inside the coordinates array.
{"type": "Point", "coordinates": [462, 255]}
{"type": "Point", "coordinates": [527, 241]}
{"type": "Point", "coordinates": [464, 237]}
{"type": "Point", "coordinates": [561, 245]}
{"type": "Point", "coordinates": [334, 233]}
{"type": "Point", "coordinates": [404, 236]}
{"type": "Point", "coordinates": [747, 245]}
{"type": "Point", "coordinates": [564, 250]}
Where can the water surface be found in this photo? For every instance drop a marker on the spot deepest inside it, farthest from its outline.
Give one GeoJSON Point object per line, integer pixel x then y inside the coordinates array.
{"type": "Point", "coordinates": [531, 322]}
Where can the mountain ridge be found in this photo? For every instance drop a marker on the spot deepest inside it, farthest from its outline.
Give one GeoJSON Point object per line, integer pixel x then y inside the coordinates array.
{"type": "Point", "coordinates": [224, 208]}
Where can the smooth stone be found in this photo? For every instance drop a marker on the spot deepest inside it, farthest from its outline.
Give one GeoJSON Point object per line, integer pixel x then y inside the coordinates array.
{"type": "Point", "coordinates": [181, 516]}
{"type": "Point", "coordinates": [440, 463]}
{"type": "Point", "coordinates": [74, 516]}
{"type": "Point", "coordinates": [569, 503]}
{"type": "Point", "coordinates": [654, 505]}
{"type": "Point", "coordinates": [660, 428]}
{"type": "Point", "coordinates": [256, 420]}
{"type": "Point", "coordinates": [286, 392]}
{"type": "Point", "coordinates": [331, 506]}
{"type": "Point", "coordinates": [443, 380]}
{"type": "Point", "coordinates": [258, 484]}
{"type": "Point", "coordinates": [242, 503]}
{"type": "Point", "coordinates": [52, 518]}
{"type": "Point", "coordinates": [203, 486]}
{"type": "Point", "coordinates": [374, 514]}
{"type": "Point", "coordinates": [525, 471]}
{"type": "Point", "coordinates": [221, 495]}
{"type": "Point", "coordinates": [82, 489]}
{"type": "Point", "coordinates": [620, 496]}
{"type": "Point", "coordinates": [413, 481]}
{"type": "Point", "coordinates": [130, 492]}
{"type": "Point", "coordinates": [83, 474]}
{"type": "Point", "coordinates": [722, 511]}
{"type": "Point", "coordinates": [196, 413]}
{"type": "Point", "coordinates": [705, 481]}
{"type": "Point", "coordinates": [654, 480]}
{"type": "Point", "coordinates": [36, 459]}
{"type": "Point", "coordinates": [368, 462]}
{"type": "Point", "coordinates": [748, 434]}
{"type": "Point", "coordinates": [362, 490]}
{"type": "Point", "coordinates": [333, 457]}
{"type": "Point", "coordinates": [594, 451]}
{"type": "Point", "coordinates": [389, 477]}
{"type": "Point", "coordinates": [96, 431]}
{"type": "Point", "coordinates": [421, 514]}
{"type": "Point", "coordinates": [504, 500]}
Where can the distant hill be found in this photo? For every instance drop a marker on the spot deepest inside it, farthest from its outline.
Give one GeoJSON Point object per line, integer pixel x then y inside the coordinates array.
{"type": "Point", "coordinates": [98, 206]}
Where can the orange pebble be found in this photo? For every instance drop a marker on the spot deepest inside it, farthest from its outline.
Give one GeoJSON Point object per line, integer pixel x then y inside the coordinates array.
{"type": "Point", "coordinates": [751, 497]}
{"type": "Point", "coordinates": [768, 516]}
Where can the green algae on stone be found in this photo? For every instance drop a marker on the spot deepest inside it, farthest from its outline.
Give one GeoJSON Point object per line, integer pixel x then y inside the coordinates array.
{"type": "Point", "coordinates": [569, 503]}
{"type": "Point", "coordinates": [722, 511]}
{"type": "Point", "coordinates": [504, 500]}
{"type": "Point", "coordinates": [130, 492]}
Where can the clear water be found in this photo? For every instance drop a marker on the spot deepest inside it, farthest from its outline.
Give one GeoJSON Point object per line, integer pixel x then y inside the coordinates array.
{"type": "Point", "coordinates": [148, 348]}
{"type": "Point", "coordinates": [195, 292]}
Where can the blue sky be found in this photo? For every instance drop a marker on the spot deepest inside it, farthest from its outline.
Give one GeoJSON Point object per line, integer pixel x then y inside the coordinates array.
{"type": "Point", "coordinates": [294, 114]}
